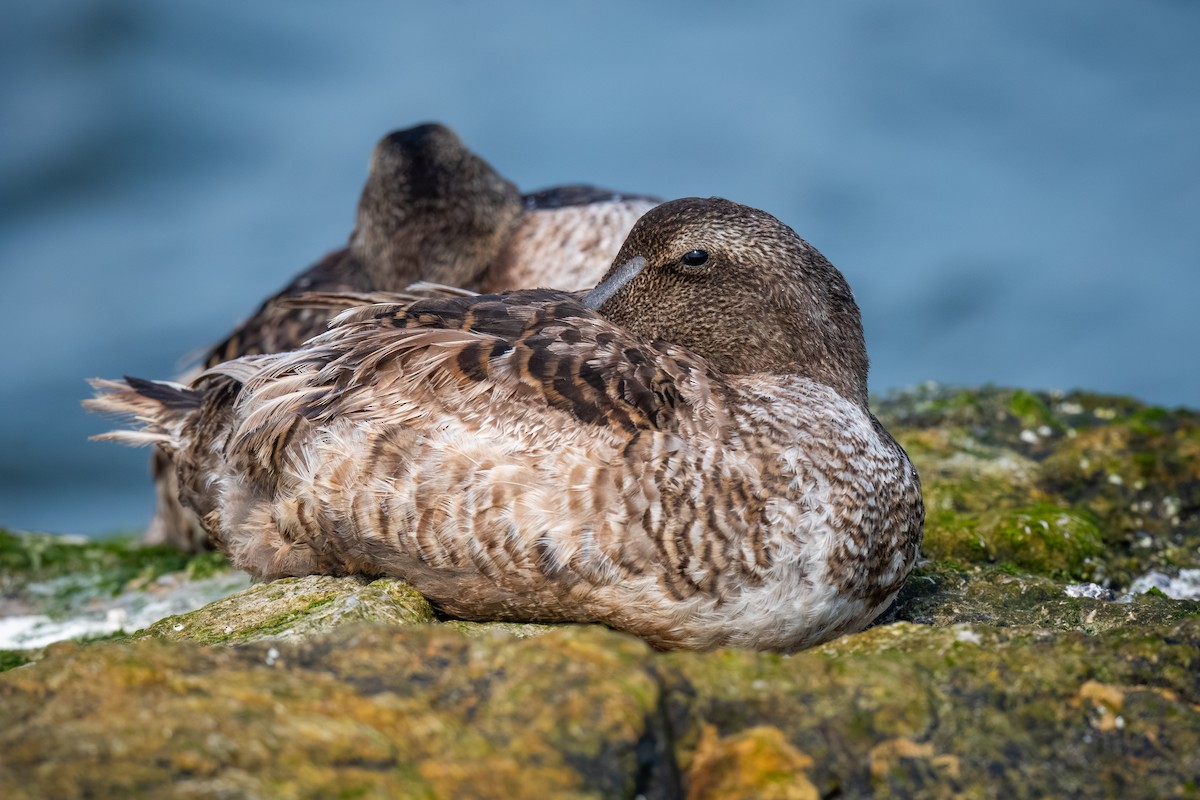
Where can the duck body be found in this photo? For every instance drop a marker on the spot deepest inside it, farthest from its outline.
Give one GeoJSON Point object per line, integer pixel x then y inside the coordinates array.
{"type": "Point", "coordinates": [566, 238]}
{"type": "Point", "coordinates": [525, 457]}
{"type": "Point", "coordinates": [431, 210]}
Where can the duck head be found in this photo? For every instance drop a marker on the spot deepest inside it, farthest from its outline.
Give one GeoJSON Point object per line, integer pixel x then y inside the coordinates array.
{"type": "Point", "coordinates": [431, 210]}
{"type": "Point", "coordinates": [739, 288]}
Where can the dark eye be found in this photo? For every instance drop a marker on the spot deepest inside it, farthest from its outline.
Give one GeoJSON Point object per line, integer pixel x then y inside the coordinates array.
{"type": "Point", "coordinates": [695, 258]}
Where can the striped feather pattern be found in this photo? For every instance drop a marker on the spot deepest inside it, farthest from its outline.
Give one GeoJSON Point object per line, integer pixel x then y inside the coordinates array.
{"type": "Point", "coordinates": [431, 210]}
{"type": "Point", "coordinates": [524, 457]}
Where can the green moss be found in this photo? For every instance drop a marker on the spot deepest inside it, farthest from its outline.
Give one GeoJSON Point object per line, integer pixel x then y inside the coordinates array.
{"type": "Point", "coordinates": [1044, 539]}
{"type": "Point", "coordinates": [206, 565]}
{"type": "Point", "coordinates": [1140, 477]}
{"type": "Point", "coordinates": [945, 595]}
{"type": "Point", "coordinates": [70, 567]}
{"type": "Point", "coordinates": [295, 607]}
{"type": "Point", "coordinates": [991, 415]}
{"type": "Point", "coordinates": [987, 456]}
{"type": "Point", "coordinates": [1031, 410]}
{"type": "Point", "coordinates": [14, 658]}
{"type": "Point", "coordinates": [983, 483]}
{"type": "Point", "coordinates": [273, 626]}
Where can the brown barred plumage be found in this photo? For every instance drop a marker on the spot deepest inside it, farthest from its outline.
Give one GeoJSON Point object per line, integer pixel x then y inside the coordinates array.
{"type": "Point", "coordinates": [431, 210]}
{"type": "Point", "coordinates": [631, 456]}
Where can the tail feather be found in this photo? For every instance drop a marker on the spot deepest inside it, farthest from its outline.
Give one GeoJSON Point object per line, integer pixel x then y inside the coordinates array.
{"type": "Point", "coordinates": [158, 408]}
{"type": "Point", "coordinates": [173, 396]}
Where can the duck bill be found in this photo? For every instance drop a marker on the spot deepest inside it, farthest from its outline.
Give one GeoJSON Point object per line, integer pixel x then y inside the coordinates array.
{"type": "Point", "coordinates": [613, 282]}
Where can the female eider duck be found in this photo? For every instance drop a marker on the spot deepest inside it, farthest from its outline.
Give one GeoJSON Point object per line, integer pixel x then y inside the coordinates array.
{"type": "Point", "coordinates": [431, 210]}
{"type": "Point", "coordinates": [685, 452]}
{"type": "Point", "coordinates": [434, 211]}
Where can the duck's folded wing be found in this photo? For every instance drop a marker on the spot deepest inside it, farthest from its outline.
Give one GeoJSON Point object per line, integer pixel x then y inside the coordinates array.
{"type": "Point", "coordinates": [280, 324]}
{"type": "Point", "coordinates": [538, 347]}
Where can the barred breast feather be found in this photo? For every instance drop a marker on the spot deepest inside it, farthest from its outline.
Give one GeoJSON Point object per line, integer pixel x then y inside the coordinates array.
{"type": "Point", "coordinates": [541, 456]}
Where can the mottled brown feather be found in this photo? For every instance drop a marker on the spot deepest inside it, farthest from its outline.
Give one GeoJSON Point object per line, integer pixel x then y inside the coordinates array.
{"type": "Point", "coordinates": [431, 210]}
{"type": "Point", "coordinates": [531, 457]}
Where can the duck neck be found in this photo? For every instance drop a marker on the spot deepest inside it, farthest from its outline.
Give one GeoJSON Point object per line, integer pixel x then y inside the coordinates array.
{"type": "Point", "coordinates": [834, 353]}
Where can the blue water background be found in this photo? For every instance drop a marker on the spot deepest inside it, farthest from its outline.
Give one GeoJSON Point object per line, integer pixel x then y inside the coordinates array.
{"type": "Point", "coordinates": [1012, 187]}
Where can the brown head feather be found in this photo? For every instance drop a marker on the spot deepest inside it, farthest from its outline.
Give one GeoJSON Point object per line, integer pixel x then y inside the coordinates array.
{"type": "Point", "coordinates": [432, 210]}
{"type": "Point", "coordinates": [740, 288]}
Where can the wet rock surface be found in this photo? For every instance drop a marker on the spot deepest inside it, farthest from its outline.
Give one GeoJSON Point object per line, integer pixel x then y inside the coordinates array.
{"type": "Point", "coordinates": [1049, 645]}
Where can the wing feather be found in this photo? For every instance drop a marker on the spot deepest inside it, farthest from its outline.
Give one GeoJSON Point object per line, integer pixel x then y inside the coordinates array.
{"type": "Point", "coordinates": [540, 346]}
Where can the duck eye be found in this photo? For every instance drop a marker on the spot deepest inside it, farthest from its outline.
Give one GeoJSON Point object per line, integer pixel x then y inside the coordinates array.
{"type": "Point", "coordinates": [695, 258]}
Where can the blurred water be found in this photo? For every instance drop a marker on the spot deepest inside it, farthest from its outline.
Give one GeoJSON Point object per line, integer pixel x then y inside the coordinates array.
{"type": "Point", "coordinates": [1010, 186]}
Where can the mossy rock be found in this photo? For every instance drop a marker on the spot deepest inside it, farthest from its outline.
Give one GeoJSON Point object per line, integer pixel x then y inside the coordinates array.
{"type": "Point", "coordinates": [416, 711]}
{"type": "Point", "coordinates": [1123, 476]}
{"type": "Point", "coordinates": [55, 587]}
{"type": "Point", "coordinates": [758, 762]}
{"type": "Point", "coordinates": [57, 573]}
{"type": "Point", "coordinates": [915, 711]}
{"type": "Point", "coordinates": [1044, 539]}
{"type": "Point", "coordinates": [946, 595]}
{"type": "Point", "coordinates": [296, 607]}
{"type": "Point", "coordinates": [901, 710]}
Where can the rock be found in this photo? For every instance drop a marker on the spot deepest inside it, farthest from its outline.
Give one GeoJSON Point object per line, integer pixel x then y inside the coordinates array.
{"type": "Point", "coordinates": [410, 711]}
{"type": "Point", "coordinates": [1072, 485]}
{"type": "Point", "coordinates": [293, 607]}
{"type": "Point", "coordinates": [757, 762]}
{"type": "Point", "coordinates": [54, 588]}
{"type": "Point", "coordinates": [906, 710]}
{"type": "Point", "coordinates": [424, 710]}
{"type": "Point", "coordinates": [1047, 646]}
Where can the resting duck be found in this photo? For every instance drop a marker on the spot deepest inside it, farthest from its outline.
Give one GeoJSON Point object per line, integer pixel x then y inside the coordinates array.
{"type": "Point", "coordinates": [685, 452]}
{"type": "Point", "coordinates": [431, 210]}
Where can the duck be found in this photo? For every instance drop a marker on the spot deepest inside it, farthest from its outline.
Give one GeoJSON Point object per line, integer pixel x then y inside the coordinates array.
{"type": "Point", "coordinates": [684, 452]}
{"type": "Point", "coordinates": [431, 212]}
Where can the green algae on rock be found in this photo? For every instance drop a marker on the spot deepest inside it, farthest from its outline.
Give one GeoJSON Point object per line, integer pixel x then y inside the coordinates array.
{"type": "Point", "coordinates": [424, 710]}
{"type": "Point", "coordinates": [1123, 477]}
{"type": "Point", "coordinates": [294, 607]}
{"type": "Point", "coordinates": [943, 595]}
{"type": "Point", "coordinates": [904, 710]}
{"type": "Point", "coordinates": [87, 567]}
{"type": "Point", "coordinates": [419, 711]}
{"type": "Point", "coordinates": [54, 588]}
